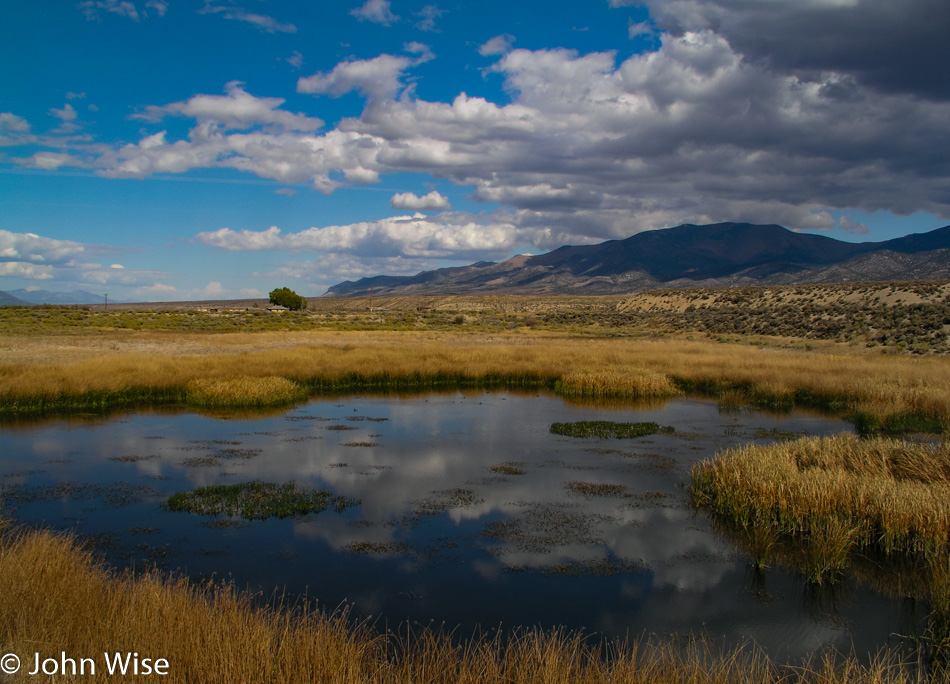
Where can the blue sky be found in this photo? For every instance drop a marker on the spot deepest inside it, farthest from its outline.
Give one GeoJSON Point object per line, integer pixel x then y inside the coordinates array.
{"type": "Point", "coordinates": [189, 149]}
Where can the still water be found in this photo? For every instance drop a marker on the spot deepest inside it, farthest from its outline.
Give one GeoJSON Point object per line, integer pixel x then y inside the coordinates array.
{"type": "Point", "coordinates": [472, 514]}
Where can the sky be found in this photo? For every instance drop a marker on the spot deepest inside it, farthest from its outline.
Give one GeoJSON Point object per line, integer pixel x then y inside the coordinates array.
{"type": "Point", "coordinates": [158, 150]}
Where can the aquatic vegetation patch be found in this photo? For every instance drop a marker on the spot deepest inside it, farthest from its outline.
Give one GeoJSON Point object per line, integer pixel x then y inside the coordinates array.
{"type": "Point", "coordinates": [368, 548]}
{"type": "Point", "coordinates": [257, 500]}
{"type": "Point", "coordinates": [592, 489]}
{"type": "Point", "coordinates": [542, 529]}
{"type": "Point", "coordinates": [202, 462]}
{"type": "Point", "coordinates": [243, 391]}
{"type": "Point", "coordinates": [608, 429]}
{"type": "Point", "coordinates": [508, 468]}
{"type": "Point", "coordinates": [444, 499]}
{"type": "Point", "coordinates": [113, 494]}
{"type": "Point", "coordinates": [132, 458]}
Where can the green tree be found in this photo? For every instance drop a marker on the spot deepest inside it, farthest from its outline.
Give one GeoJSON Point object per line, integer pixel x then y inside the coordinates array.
{"type": "Point", "coordinates": [284, 296]}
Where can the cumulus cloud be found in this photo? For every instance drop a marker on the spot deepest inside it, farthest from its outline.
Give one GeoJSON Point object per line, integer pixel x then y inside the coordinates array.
{"type": "Point", "coordinates": [379, 77]}
{"type": "Point", "coordinates": [376, 11]}
{"type": "Point", "coordinates": [24, 270]}
{"type": "Point", "coordinates": [414, 235]}
{"type": "Point", "coordinates": [14, 130]}
{"type": "Point", "coordinates": [498, 45]}
{"type": "Point", "coordinates": [411, 201]}
{"type": "Point", "coordinates": [895, 51]}
{"type": "Point", "coordinates": [29, 247]}
{"type": "Point", "coordinates": [50, 161]}
{"type": "Point", "coordinates": [13, 123]}
{"type": "Point", "coordinates": [236, 110]}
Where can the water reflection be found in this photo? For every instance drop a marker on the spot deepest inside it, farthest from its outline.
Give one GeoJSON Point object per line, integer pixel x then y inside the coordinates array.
{"type": "Point", "coordinates": [472, 513]}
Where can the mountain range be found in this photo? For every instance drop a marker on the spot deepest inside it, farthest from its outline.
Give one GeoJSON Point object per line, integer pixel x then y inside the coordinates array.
{"type": "Point", "coordinates": [27, 297]}
{"type": "Point", "coordinates": [684, 256]}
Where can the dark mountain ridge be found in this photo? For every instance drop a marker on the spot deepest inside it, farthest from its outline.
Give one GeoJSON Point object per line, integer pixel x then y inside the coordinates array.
{"type": "Point", "coordinates": [682, 256]}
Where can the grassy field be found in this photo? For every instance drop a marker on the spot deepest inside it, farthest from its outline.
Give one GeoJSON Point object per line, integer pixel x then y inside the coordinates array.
{"type": "Point", "coordinates": [58, 372]}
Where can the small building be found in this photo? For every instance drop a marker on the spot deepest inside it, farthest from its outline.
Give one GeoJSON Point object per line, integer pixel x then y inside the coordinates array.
{"type": "Point", "coordinates": [277, 308]}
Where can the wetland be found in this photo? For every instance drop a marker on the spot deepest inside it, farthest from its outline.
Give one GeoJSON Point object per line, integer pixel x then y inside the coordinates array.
{"type": "Point", "coordinates": [466, 509]}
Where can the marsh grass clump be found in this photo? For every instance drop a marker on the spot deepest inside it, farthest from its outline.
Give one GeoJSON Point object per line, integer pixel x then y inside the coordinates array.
{"type": "Point", "coordinates": [257, 500]}
{"type": "Point", "coordinates": [835, 495]}
{"type": "Point", "coordinates": [632, 383]}
{"type": "Point", "coordinates": [243, 391]}
{"type": "Point", "coordinates": [605, 428]}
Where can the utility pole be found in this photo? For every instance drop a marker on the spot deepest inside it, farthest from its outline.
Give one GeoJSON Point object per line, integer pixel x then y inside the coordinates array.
{"type": "Point", "coordinates": [107, 302]}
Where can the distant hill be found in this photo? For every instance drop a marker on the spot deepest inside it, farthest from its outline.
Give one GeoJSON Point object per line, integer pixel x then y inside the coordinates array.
{"type": "Point", "coordinates": [7, 299]}
{"type": "Point", "coordinates": [685, 256]}
{"type": "Point", "coordinates": [47, 297]}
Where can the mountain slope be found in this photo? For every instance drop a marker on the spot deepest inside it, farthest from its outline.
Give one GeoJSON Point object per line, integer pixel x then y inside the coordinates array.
{"type": "Point", "coordinates": [683, 256]}
{"type": "Point", "coordinates": [7, 299]}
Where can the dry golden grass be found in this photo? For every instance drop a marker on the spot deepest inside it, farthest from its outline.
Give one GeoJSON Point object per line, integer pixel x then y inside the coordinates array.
{"type": "Point", "coordinates": [636, 383]}
{"type": "Point", "coordinates": [160, 366]}
{"type": "Point", "coordinates": [836, 494]}
{"type": "Point", "coordinates": [55, 599]}
{"type": "Point", "coordinates": [242, 391]}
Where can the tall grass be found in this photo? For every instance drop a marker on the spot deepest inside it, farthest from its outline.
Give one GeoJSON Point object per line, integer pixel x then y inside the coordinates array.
{"type": "Point", "coordinates": [633, 383]}
{"type": "Point", "coordinates": [55, 598]}
{"type": "Point", "coordinates": [242, 391]}
{"type": "Point", "coordinates": [79, 373]}
{"type": "Point", "coordinates": [835, 495]}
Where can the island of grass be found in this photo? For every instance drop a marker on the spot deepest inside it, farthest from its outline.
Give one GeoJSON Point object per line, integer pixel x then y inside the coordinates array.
{"type": "Point", "coordinates": [607, 429]}
{"type": "Point", "coordinates": [257, 500]}
{"type": "Point", "coordinates": [836, 496]}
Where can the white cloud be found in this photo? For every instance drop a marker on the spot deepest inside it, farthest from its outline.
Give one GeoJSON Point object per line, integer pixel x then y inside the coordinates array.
{"type": "Point", "coordinates": [261, 21]}
{"type": "Point", "coordinates": [498, 45]}
{"type": "Point", "coordinates": [160, 6]}
{"type": "Point", "coordinates": [37, 249]}
{"type": "Point", "coordinates": [846, 223]}
{"type": "Point", "coordinates": [13, 123]}
{"type": "Point", "coordinates": [412, 202]}
{"type": "Point", "coordinates": [235, 110]}
{"type": "Point", "coordinates": [50, 161]}
{"type": "Point", "coordinates": [379, 77]}
{"type": "Point", "coordinates": [213, 290]}
{"type": "Point", "coordinates": [20, 269]}
{"type": "Point", "coordinates": [155, 292]}
{"type": "Point", "coordinates": [428, 14]}
{"type": "Point", "coordinates": [123, 8]}
{"type": "Point", "coordinates": [67, 113]}
{"type": "Point", "coordinates": [413, 236]}
{"type": "Point", "coordinates": [376, 11]}
{"type": "Point", "coordinates": [295, 60]}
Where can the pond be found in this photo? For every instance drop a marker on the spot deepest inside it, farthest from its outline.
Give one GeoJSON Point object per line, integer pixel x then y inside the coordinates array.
{"type": "Point", "coordinates": [471, 513]}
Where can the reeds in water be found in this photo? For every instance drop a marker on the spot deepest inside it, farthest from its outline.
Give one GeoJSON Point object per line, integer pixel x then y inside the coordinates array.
{"type": "Point", "coordinates": [243, 391]}
{"type": "Point", "coordinates": [836, 494]}
{"type": "Point", "coordinates": [632, 383]}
